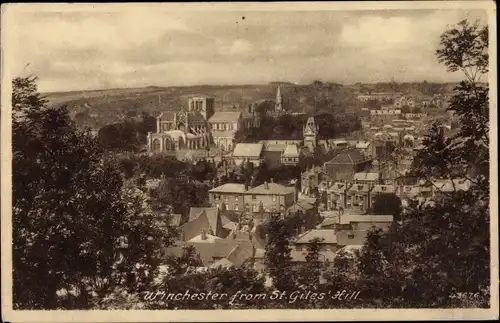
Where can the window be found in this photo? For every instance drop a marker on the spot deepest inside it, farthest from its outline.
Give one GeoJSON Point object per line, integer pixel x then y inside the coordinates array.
{"type": "Point", "coordinates": [350, 236]}
{"type": "Point", "coordinates": [236, 207]}
{"type": "Point", "coordinates": [298, 248]}
{"type": "Point", "coordinates": [236, 198]}
{"type": "Point", "coordinates": [217, 205]}
{"type": "Point", "coordinates": [228, 207]}
{"type": "Point", "coordinates": [247, 208]}
{"type": "Point", "coordinates": [256, 208]}
{"type": "Point", "coordinates": [254, 197]}
{"type": "Point", "coordinates": [274, 198]}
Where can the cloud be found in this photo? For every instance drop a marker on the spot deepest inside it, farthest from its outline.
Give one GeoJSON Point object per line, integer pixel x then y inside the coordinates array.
{"type": "Point", "coordinates": [84, 50]}
{"type": "Point", "coordinates": [241, 46]}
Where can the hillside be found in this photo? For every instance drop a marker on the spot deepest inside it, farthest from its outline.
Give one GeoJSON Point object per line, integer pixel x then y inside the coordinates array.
{"type": "Point", "coordinates": [98, 108]}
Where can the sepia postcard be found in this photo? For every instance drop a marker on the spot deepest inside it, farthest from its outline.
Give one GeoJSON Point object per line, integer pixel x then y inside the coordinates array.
{"type": "Point", "coordinates": [217, 162]}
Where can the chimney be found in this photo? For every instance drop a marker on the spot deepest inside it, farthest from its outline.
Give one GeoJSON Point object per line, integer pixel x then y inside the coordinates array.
{"type": "Point", "coordinates": [266, 185]}
{"type": "Point", "coordinates": [303, 229]}
{"type": "Point", "coordinates": [203, 235]}
{"type": "Point", "coordinates": [246, 186]}
{"type": "Point", "coordinates": [272, 180]}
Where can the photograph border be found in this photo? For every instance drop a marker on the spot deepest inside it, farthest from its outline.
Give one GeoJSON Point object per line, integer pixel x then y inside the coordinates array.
{"type": "Point", "coordinates": [8, 314]}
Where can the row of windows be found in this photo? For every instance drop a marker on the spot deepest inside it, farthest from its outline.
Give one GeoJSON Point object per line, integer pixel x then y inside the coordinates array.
{"type": "Point", "coordinates": [290, 159]}
{"type": "Point", "coordinates": [224, 126]}
{"type": "Point", "coordinates": [235, 197]}
{"type": "Point", "coordinates": [255, 208]}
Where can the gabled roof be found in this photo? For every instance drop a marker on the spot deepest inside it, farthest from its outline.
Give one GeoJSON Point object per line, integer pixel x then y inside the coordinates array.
{"type": "Point", "coordinates": [195, 212]}
{"type": "Point", "coordinates": [272, 188]}
{"type": "Point", "coordinates": [291, 151]}
{"type": "Point", "coordinates": [338, 187]}
{"type": "Point", "coordinates": [348, 156]}
{"type": "Point", "coordinates": [219, 248]}
{"type": "Point", "coordinates": [208, 239]}
{"type": "Point", "coordinates": [195, 116]}
{"type": "Point", "coordinates": [239, 255]}
{"type": "Point", "coordinates": [327, 235]}
{"type": "Point", "coordinates": [223, 116]}
{"type": "Point", "coordinates": [207, 219]}
{"type": "Point", "coordinates": [229, 188]}
{"type": "Point", "coordinates": [247, 150]}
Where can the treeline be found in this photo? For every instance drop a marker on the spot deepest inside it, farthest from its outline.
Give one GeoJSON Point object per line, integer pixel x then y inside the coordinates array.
{"type": "Point", "coordinates": [426, 88]}
{"type": "Point", "coordinates": [129, 135]}
{"type": "Point", "coordinates": [291, 127]}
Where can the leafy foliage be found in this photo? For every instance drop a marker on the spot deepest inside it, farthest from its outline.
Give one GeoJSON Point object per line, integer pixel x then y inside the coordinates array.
{"type": "Point", "coordinates": [74, 228]}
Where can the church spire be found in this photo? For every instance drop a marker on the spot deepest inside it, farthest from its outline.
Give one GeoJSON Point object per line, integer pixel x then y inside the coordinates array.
{"type": "Point", "coordinates": [278, 106]}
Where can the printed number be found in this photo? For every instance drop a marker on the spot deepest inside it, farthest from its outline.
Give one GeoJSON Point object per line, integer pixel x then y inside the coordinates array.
{"type": "Point", "coordinates": [464, 295]}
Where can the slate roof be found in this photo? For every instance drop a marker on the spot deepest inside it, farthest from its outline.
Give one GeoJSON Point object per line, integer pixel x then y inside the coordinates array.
{"type": "Point", "coordinates": [229, 188]}
{"type": "Point", "coordinates": [275, 147]}
{"type": "Point", "coordinates": [329, 222]}
{"type": "Point", "coordinates": [359, 188]}
{"type": "Point", "coordinates": [347, 219]}
{"type": "Point", "coordinates": [247, 150]}
{"type": "Point", "coordinates": [209, 238]}
{"type": "Point", "coordinates": [348, 156]}
{"type": "Point", "coordinates": [167, 115]}
{"type": "Point", "coordinates": [359, 237]}
{"type": "Point", "coordinates": [220, 248]}
{"type": "Point", "coordinates": [207, 219]}
{"type": "Point", "coordinates": [384, 189]}
{"type": "Point", "coordinates": [366, 176]}
{"type": "Point", "coordinates": [272, 188]}
{"type": "Point", "coordinates": [338, 187]}
{"type": "Point", "coordinates": [327, 234]}
{"type": "Point", "coordinates": [225, 116]}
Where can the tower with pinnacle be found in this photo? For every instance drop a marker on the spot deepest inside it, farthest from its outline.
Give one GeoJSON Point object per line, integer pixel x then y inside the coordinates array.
{"type": "Point", "coordinates": [278, 107]}
{"type": "Point", "coordinates": [310, 133]}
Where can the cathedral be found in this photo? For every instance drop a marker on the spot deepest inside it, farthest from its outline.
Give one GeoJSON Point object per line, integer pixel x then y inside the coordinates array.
{"type": "Point", "coordinates": [183, 129]}
{"type": "Point", "coordinates": [200, 127]}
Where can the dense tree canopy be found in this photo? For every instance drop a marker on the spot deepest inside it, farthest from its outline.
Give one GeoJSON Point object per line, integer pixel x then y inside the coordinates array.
{"type": "Point", "coordinates": [72, 218]}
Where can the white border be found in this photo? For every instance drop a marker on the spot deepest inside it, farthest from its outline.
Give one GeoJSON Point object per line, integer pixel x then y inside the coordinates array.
{"type": "Point", "coordinates": [235, 315]}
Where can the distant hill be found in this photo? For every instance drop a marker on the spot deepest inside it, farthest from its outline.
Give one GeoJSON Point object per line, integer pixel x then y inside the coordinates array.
{"type": "Point", "coordinates": [100, 107]}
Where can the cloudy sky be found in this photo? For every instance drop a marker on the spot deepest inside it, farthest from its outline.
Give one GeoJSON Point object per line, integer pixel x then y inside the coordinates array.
{"type": "Point", "coordinates": [150, 46]}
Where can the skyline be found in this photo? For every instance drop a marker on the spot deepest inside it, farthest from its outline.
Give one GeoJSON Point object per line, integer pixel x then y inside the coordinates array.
{"type": "Point", "coordinates": [72, 51]}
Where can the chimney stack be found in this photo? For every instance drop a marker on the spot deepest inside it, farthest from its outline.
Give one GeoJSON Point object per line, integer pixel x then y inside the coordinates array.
{"type": "Point", "coordinates": [203, 235]}
{"type": "Point", "coordinates": [266, 185]}
{"type": "Point", "coordinates": [272, 180]}
{"type": "Point", "coordinates": [303, 229]}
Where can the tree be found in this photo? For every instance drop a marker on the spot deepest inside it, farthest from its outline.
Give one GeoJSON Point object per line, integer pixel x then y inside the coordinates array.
{"type": "Point", "coordinates": [73, 225]}
{"type": "Point", "coordinates": [277, 257]}
{"type": "Point", "coordinates": [310, 273]}
{"type": "Point", "coordinates": [442, 248]}
{"type": "Point", "coordinates": [387, 204]}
